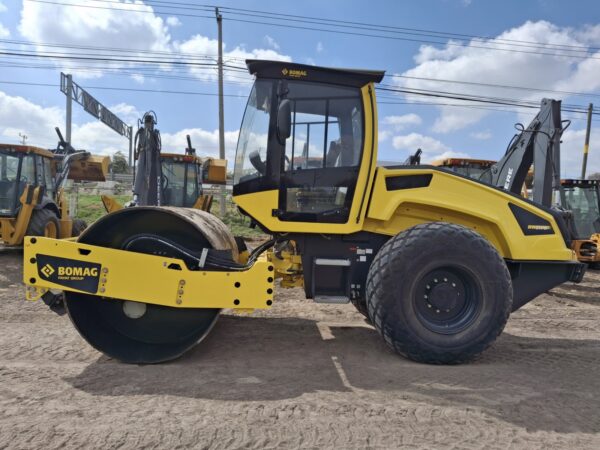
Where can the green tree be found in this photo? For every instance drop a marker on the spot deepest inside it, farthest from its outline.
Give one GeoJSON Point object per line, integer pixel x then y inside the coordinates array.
{"type": "Point", "coordinates": [119, 163]}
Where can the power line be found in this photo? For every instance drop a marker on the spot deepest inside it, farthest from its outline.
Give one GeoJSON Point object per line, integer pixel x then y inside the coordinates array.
{"type": "Point", "coordinates": [156, 91]}
{"type": "Point", "coordinates": [270, 16]}
{"type": "Point", "coordinates": [502, 86]}
{"type": "Point", "coordinates": [359, 25]}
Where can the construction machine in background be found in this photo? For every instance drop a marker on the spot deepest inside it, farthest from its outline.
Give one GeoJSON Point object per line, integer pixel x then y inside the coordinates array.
{"type": "Point", "coordinates": [576, 200]}
{"type": "Point", "coordinates": [582, 199]}
{"type": "Point", "coordinates": [169, 179]}
{"type": "Point", "coordinates": [435, 260]}
{"type": "Point", "coordinates": [469, 167]}
{"type": "Point", "coordinates": [32, 198]}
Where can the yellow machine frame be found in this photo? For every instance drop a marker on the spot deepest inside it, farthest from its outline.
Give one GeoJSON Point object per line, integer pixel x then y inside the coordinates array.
{"type": "Point", "coordinates": [375, 208]}
{"type": "Point", "coordinates": [175, 285]}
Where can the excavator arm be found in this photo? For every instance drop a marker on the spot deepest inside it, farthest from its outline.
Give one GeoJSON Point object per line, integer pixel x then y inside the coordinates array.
{"type": "Point", "coordinates": [538, 144]}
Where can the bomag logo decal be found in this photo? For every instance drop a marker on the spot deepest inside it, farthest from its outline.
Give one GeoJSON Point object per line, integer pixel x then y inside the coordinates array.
{"type": "Point", "coordinates": [294, 73]}
{"type": "Point", "coordinates": [47, 270]}
{"type": "Point", "coordinates": [74, 272]}
{"type": "Point", "coordinates": [539, 227]}
{"type": "Point", "coordinates": [70, 273]}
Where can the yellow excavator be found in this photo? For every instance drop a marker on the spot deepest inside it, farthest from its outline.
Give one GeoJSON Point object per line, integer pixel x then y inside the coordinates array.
{"type": "Point", "coordinates": [32, 199]}
{"type": "Point", "coordinates": [435, 260]}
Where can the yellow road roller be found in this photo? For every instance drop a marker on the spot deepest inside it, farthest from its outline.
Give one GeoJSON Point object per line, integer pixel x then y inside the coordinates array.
{"type": "Point", "coordinates": [435, 261]}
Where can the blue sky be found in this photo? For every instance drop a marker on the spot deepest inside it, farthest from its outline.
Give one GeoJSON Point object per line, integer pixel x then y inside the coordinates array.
{"type": "Point", "coordinates": [35, 110]}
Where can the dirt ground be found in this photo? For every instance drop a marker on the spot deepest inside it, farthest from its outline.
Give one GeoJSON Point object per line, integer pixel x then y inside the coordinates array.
{"type": "Point", "coordinates": [302, 375]}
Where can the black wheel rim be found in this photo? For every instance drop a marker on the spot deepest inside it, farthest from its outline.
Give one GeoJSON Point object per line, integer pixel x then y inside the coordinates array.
{"type": "Point", "coordinates": [447, 299]}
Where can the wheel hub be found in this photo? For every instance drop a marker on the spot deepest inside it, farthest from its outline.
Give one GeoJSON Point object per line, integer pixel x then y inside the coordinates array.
{"type": "Point", "coordinates": [446, 300]}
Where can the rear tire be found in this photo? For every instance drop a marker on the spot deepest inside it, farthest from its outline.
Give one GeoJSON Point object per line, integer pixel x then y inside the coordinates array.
{"type": "Point", "coordinates": [43, 222]}
{"type": "Point", "coordinates": [78, 226]}
{"type": "Point", "coordinates": [439, 293]}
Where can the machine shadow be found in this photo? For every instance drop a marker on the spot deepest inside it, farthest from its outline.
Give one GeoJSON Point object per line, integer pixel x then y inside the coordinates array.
{"type": "Point", "coordinates": [537, 384]}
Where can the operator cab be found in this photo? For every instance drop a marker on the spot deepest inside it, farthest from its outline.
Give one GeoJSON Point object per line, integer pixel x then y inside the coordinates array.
{"type": "Point", "coordinates": [583, 200]}
{"type": "Point", "coordinates": [303, 135]}
{"type": "Point", "coordinates": [21, 165]}
{"type": "Point", "coordinates": [181, 180]}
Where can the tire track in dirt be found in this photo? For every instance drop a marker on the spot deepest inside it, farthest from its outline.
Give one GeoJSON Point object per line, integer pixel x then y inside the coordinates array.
{"type": "Point", "coordinates": [269, 380]}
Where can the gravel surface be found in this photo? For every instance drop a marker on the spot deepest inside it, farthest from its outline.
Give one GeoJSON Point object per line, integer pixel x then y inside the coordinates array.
{"type": "Point", "coordinates": [302, 375]}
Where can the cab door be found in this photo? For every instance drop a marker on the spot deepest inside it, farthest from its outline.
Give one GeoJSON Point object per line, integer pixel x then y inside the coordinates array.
{"type": "Point", "coordinates": [323, 154]}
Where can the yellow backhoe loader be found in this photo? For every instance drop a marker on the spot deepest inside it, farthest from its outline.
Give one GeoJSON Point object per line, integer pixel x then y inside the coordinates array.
{"type": "Point", "coordinates": [437, 261]}
{"type": "Point", "coordinates": [32, 200]}
{"type": "Point", "coordinates": [582, 199]}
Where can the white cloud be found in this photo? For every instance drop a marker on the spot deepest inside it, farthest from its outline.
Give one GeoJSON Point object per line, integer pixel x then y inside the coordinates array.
{"type": "Point", "coordinates": [128, 113]}
{"type": "Point", "coordinates": [401, 122]}
{"type": "Point", "coordinates": [320, 47]}
{"type": "Point", "coordinates": [173, 21]}
{"type": "Point", "coordinates": [3, 7]}
{"type": "Point", "coordinates": [4, 32]}
{"type": "Point", "coordinates": [481, 135]}
{"type": "Point", "coordinates": [19, 115]}
{"type": "Point", "coordinates": [525, 68]}
{"type": "Point", "coordinates": [571, 151]}
{"type": "Point", "coordinates": [132, 29]}
{"type": "Point", "coordinates": [413, 141]}
{"type": "Point", "coordinates": [206, 142]}
{"type": "Point", "coordinates": [202, 45]}
{"type": "Point", "coordinates": [384, 135]}
{"type": "Point", "coordinates": [138, 78]}
{"type": "Point", "coordinates": [107, 28]}
{"type": "Point", "coordinates": [271, 42]}
{"type": "Point", "coordinates": [447, 154]}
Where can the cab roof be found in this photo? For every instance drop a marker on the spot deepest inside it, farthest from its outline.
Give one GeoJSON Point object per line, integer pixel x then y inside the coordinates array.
{"type": "Point", "coordinates": [304, 72]}
{"type": "Point", "coordinates": [462, 162]}
{"type": "Point", "coordinates": [182, 157]}
{"type": "Point", "coordinates": [582, 183]}
{"type": "Point", "coordinates": [26, 149]}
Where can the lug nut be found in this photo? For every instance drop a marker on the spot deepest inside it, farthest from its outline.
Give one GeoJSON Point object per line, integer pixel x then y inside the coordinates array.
{"type": "Point", "coordinates": [435, 280]}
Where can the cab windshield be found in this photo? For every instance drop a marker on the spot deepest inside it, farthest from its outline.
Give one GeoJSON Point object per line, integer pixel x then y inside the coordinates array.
{"type": "Point", "coordinates": [179, 183]}
{"type": "Point", "coordinates": [15, 172]}
{"type": "Point", "coordinates": [254, 134]}
{"type": "Point", "coordinates": [584, 204]}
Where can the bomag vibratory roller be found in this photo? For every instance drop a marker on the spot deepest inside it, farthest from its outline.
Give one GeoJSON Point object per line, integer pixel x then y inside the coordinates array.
{"type": "Point", "coordinates": [435, 261]}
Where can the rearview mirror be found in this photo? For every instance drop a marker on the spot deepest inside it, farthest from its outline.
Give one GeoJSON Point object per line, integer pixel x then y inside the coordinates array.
{"type": "Point", "coordinates": [284, 121]}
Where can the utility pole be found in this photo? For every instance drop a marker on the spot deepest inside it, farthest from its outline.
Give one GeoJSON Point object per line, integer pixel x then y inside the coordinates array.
{"type": "Point", "coordinates": [69, 107]}
{"type": "Point", "coordinates": [221, 119]}
{"type": "Point", "coordinates": [24, 138]}
{"type": "Point", "coordinates": [586, 146]}
{"type": "Point", "coordinates": [130, 146]}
